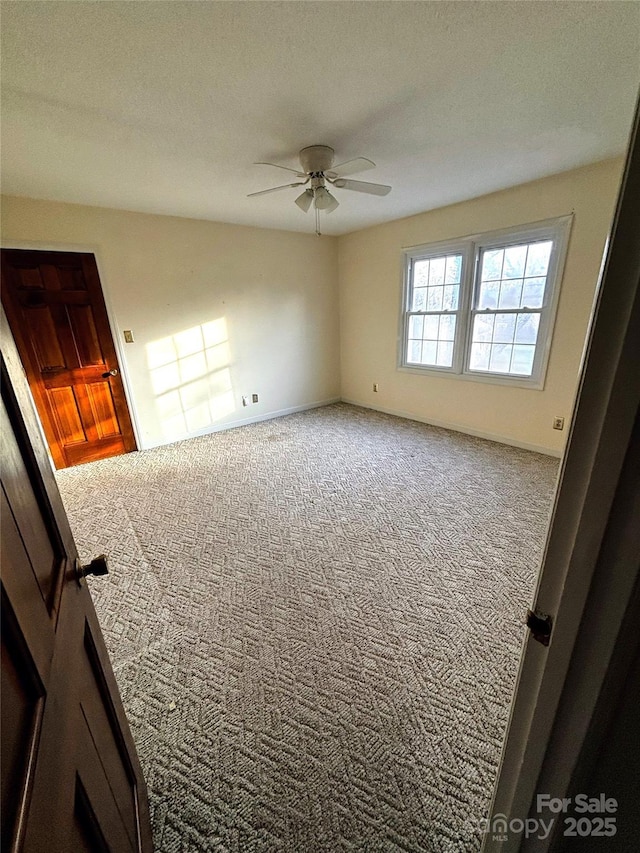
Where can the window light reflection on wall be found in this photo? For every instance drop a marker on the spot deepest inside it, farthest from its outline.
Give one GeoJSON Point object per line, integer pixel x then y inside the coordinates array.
{"type": "Point", "coordinates": [191, 378]}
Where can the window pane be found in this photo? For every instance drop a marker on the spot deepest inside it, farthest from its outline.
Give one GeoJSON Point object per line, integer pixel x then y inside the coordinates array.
{"type": "Point", "coordinates": [447, 327]}
{"type": "Point", "coordinates": [429, 349]}
{"type": "Point", "coordinates": [445, 354]}
{"type": "Point", "coordinates": [480, 356]}
{"type": "Point", "coordinates": [451, 297]}
{"type": "Point", "coordinates": [533, 292]}
{"type": "Point", "coordinates": [514, 262]}
{"type": "Point", "coordinates": [419, 302]}
{"type": "Point", "coordinates": [520, 272]}
{"type": "Point", "coordinates": [500, 358]}
{"type": "Point", "coordinates": [489, 292]}
{"type": "Point", "coordinates": [522, 361]}
{"type": "Point", "coordinates": [454, 269]}
{"type": "Point", "coordinates": [538, 258]}
{"type": "Point", "coordinates": [483, 328]}
{"type": "Point", "coordinates": [492, 264]}
{"type": "Point", "coordinates": [420, 273]}
{"type": "Point", "coordinates": [415, 327]}
{"type": "Point", "coordinates": [510, 293]}
{"type": "Point", "coordinates": [431, 327]}
{"type": "Point", "coordinates": [504, 328]}
{"type": "Point", "coordinates": [413, 352]}
{"type": "Point", "coordinates": [434, 298]}
{"type": "Point", "coordinates": [436, 271]}
{"type": "Point", "coordinates": [527, 328]}
{"type": "Point", "coordinates": [431, 339]}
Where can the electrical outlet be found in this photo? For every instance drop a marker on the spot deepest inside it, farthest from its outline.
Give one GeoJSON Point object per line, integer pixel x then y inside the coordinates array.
{"type": "Point", "coordinates": [375, 386]}
{"type": "Point", "coordinates": [558, 423]}
{"type": "Point", "coordinates": [128, 336]}
{"type": "Point", "coordinates": [254, 398]}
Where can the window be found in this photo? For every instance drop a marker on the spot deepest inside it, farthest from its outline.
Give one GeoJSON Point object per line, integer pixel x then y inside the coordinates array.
{"type": "Point", "coordinates": [483, 307]}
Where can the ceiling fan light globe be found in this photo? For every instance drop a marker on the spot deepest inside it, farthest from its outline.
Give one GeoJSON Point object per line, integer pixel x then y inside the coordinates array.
{"type": "Point", "coordinates": [304, 200]}
{"type": "Point", "coordinates": [332, 204]}
{"type": "Point", "coordinates": [323, 198]}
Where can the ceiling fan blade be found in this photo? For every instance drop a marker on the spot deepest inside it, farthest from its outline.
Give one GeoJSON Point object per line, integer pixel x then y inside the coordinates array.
{"type": "Point", "coordinates": [350, 167]}
{"type": "Point", "coordinates": [286, 168]}
{"type": "Point", "coordinates": [361, 186]}
{"type": "Point", "coordinates": [275, 189]}
{"type": "Point", "coordinates": [304, 200]}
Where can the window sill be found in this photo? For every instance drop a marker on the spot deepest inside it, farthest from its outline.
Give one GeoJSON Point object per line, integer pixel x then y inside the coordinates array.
{"type": "Point", "coordinates": [484, 378]}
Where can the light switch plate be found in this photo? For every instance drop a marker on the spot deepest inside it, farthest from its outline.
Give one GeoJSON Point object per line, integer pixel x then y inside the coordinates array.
{"type": "Point", "coordinates": [128, 336]}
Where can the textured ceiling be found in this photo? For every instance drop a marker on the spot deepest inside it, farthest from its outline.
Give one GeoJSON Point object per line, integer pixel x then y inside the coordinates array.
{"type": "Point", "coordinates": [164, 106]}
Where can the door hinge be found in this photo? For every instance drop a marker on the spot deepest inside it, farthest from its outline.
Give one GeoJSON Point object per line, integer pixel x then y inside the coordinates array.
{"type": "Point", "coordinates": [540, 625]}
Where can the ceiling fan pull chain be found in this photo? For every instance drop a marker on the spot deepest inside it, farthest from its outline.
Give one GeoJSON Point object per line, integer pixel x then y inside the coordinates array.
{"type": "Point", "coordinates": [317, 221]}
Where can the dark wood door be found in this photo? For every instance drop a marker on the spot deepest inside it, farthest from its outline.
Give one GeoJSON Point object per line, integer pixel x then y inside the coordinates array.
{"type": "Point", "coordinates": [56, 310]}
{"type": "Point", "coordinates": [71, 780]}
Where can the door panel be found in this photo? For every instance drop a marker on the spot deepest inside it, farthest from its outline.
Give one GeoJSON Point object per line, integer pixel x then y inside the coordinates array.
{"type": "Point", "coordinates": [28, 528]}
{"type": "Point", "coordinates": [106, 735]}
{"type": "Point", "coordinates": [22, 708]}
{"type": "Point", "coordinates": [56, 311]}
{"type": "Point", "coordinates": [86, 836]}
{"type": "Point", "coordinates": [67, 415]}
{"type": "Point", "coordinates": [70, 774]}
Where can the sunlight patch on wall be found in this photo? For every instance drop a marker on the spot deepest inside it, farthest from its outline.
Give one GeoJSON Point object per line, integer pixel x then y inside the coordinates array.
{"type": "Point", "coordinates": [191, 378]}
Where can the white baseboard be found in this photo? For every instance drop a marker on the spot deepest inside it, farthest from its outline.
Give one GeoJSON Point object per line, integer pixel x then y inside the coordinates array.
{"type": "Point", "coordinates": [501, 439]}
{"type": "Point", "coordinates": [244, 421]}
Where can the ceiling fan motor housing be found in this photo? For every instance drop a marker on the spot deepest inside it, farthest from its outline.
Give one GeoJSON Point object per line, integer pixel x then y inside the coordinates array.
{"type": "Point", "coordinates": [316, 158]}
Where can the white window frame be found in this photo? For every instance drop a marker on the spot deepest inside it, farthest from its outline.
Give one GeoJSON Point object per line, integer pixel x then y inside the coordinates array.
{"type": "Point", "coordinates": [471, 249]}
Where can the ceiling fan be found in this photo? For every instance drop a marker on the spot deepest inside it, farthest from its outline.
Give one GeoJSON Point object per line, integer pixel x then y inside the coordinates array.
{"type": "Point", "coordinates": [317, 170]}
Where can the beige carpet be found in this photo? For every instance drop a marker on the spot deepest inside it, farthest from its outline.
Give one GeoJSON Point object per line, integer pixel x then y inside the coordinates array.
{"type": "Point", "coordinates": [315, 623]}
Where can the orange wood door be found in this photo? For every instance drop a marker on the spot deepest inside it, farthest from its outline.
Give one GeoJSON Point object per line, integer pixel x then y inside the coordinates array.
{"type": "Point", "coordinates": [71, 780]}
{"type": "Point", "coordinates": [56, 310]}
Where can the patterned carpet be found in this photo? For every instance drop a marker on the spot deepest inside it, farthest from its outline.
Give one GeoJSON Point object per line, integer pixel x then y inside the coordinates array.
{"type": "Point", "coordinates": [315, 623]}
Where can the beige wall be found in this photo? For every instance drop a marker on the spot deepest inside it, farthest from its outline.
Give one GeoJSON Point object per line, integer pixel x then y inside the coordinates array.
{"type": "Point", "coordinates": [217, 311]}
{"type": "Point", "coordinates": [370, 269]}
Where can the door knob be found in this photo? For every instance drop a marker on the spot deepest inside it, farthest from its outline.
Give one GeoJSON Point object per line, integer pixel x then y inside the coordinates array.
{"type": "Point", "coordinates": [113, 372]}
{"type": "Point", "coordinates": [97, 566]}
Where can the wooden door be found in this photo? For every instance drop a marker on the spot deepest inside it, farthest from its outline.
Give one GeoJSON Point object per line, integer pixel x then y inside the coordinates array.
{"type": "Point", "coordinates": [56, 311]}
{"type": "Point", "coordinates": [71, 780]}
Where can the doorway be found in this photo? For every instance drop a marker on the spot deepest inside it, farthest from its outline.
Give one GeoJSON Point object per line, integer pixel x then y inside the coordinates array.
{"type": "Point", "coordinates": [57, 314]}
